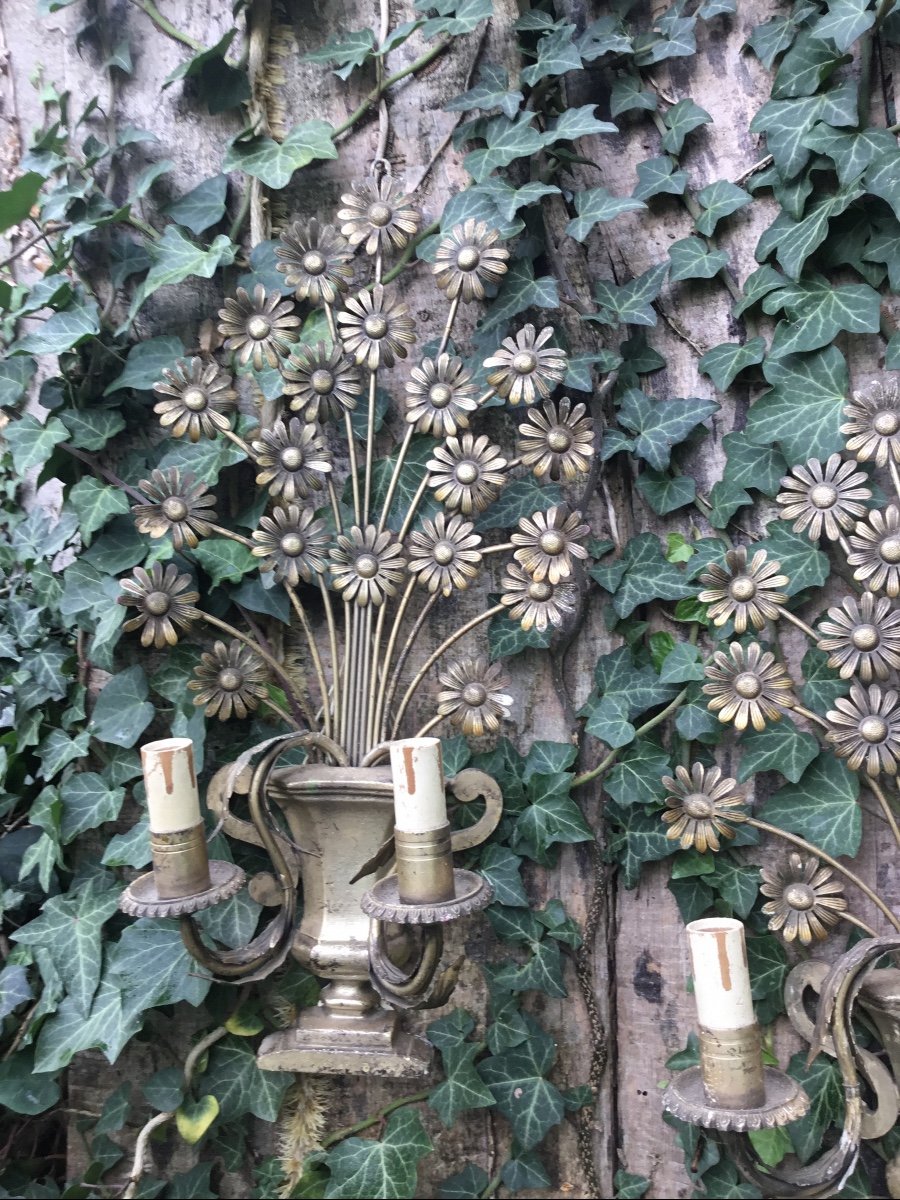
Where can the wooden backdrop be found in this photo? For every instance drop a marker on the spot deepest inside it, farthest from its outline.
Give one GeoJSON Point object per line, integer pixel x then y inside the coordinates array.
{"type": "Point", "coordinates": [627, 1009]}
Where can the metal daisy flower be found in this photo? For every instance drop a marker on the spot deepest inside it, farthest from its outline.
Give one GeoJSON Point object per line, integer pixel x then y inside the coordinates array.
{"type": "Point", "coordinates": [440, 396]}
{"type": "Point", "coordinates": [525, 368]}
{"type": "Point", "coordinates": [743, 592]}
{"type": "Point", "coordinates": [748, 686]}
{"type": "Point", "coordinates": [875, 551]}
{"type": "Point", "coordinates": [230, 681]}
{"type": "Point", "coordinates": [467, 259]}
{"type": "Point", "coordinates": [702, 806]}
{"type": "Point", "coordinates": [196, 398]}
{"type": "Point", "coordinates": [818, 498]}
{"type": "Point", "coordinates": [322, 383]}
{"type": "Point", "coordinates": [806, 900]}
{"type": "Point", "coordinates": [176, 505]}
{"type": "Point", "coordinates": [375, 330]}
{"type": "Point", "coordinates": [474, 696]}
{"type": "Point", "coordinates": [873, 425]}
{"type": "Point", "coordinates": [373, 214]}
{"type": "Point", "coordinates": [315, 262]}
{"type": "Point", "coordinates": [467, 473]}
{"type": "Point", "coordinates": [537, 602]}
{"type": "Point", "coordinates": [367, 566]}
{"type": "Point", "coordinates": [444, 555]}
{"type": "Point", "coordinates": [548, 541]}
{"type": "Point", "coordinates": [865, 729]}
{"type": "Point", "coordinates": [293, 543]}
{"type": "Point", "coordinates": [260, 329]}
{"type": "Point", "coordinates": [557, 440]}
{"type": "Point", "coordinates": [292, 458]}
{"type": "Point", "coordinates": [862, 637]}
{"type": "Point", "coordinates": [161, 597]}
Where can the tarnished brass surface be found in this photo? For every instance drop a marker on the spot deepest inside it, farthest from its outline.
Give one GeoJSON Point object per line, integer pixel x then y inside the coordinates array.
{"type": "Point", "coordinates": [731, 1067]}
{"type": "Point", "coordinates": [424, 866]}
{"type": "Point", "coordinates": [142, 899]}
{"type": "Point", "coordinates": [180, 863]}
{"type": "Point", "coordinates": [471, 893]}
{"type": "Point", "coordinates": [325, 1042]}
{"type": "Point", "coordinates": [784, 1100]}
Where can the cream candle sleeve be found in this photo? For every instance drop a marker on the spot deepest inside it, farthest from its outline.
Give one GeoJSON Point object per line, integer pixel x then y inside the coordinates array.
{"type": "Point", "coordinates": [721, 974]}
{"type": "Point", "coordinates": [173, 802]}
{"type": "Point", "coordinates": [418, 775]}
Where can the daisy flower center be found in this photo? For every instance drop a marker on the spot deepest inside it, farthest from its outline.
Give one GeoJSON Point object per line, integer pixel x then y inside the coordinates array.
{"type": "Point", "coordinates": [322, 381]}
{"type": "Point", "coordinates": [292, 458]}
{"type": "Point", "coordinates": [367, 566]}
{"type": "Point", "coordinates": [158, 603]}
{"type": "Point", "coordinates": [292, 545]}
{"type": "Point", "coordinates": [525, 362]}
{"type": "Point", "coordinates": [823, 495]}
{"type": "Point", "coordinates": [313, 262]}
{"type": "Point", "coordinates": [174, 508]}
{"type": "Point", "coordinates": [539, 590]}
{"type": "Point", "coordinates": [865, 637]}
{"type": "Point", "coordinates": [559, 439]}
{"type": "Point", "coordinates": [890, 549]}
{"type": "Point", "coordinates": [468, 258]}
{"type": "Point", "coordinates": [747, 685]}
{"type": "Point", "coordinates": [443, 553]}
{"type": "Point", "coordinates": [440, 395]}
{"type": "Point", "coordinates": [698, 806]}
{"type": "Point", "coordinates": [259, 327]}
{"type": "Point", "coordinates": [886, 422]}
{"type": "Point", "coordinates": [229, 679]}
{"type": "Point", "coordinates": [799, 896]}
{"type": "Point", "coordinates": [873, 729]}
{"type": "Point", "coordinates": [467, 473]}
{"type": "Point", "coordinates": [552, 541]}
{"type": "Point", "coordinates": [380, 214]}
{"type": "Point", "coordinates": [194, 398]}
{"type": "Point", "coordinates": [375, 326]}
{"type": "Point", "coordinates": [742, 588]}
{"type": "Point", "coordinates": [474, 694]}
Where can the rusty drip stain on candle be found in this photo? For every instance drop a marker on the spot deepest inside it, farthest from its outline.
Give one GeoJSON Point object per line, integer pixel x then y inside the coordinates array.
{"type": "Point", "coordinates": [165, 761]}
{"type": "Point", "coordinates": [410, 770]}
{"type": "Point", "coordinates": [724, 965]}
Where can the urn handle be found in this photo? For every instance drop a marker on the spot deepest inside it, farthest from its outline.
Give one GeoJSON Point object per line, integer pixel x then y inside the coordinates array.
{"type": "Point", "coordinates": [467, 786]}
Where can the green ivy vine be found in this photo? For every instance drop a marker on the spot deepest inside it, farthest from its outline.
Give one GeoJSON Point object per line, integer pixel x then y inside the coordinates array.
{"type": "Point", "coordinates": [76, 702]}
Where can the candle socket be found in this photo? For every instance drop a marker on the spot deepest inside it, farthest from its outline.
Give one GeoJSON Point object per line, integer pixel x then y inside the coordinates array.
{"type": "Point", "coordinates": [424, 866]}
{"type": "Point", "coordinates": [180, 863]}
{"type": "Point", "coordinates": [731, 1067]}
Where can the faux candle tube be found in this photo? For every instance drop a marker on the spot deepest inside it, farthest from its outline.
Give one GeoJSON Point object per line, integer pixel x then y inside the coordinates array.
{"type": "Point", "coordinates": [721, 974]}
{"type": "Point", "coordinates": [173, 802]}
{"type": "Point", "coordinates": [418, 774]}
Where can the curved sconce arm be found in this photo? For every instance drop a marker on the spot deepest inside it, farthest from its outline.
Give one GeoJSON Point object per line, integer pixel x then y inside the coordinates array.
{"type": "Point", "coordinates": [843, 985]}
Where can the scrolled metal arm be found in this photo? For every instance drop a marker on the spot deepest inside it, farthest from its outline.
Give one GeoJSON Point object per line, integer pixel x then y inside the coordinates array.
{"type": "Point", "coordinates": [833, 1032]}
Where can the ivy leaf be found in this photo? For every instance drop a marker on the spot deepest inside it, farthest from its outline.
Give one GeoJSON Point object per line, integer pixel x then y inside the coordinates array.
{"type": "Point", "coordinates": [661, 424]}
{"type": "Point", "coordinates": [630, 304]}
{"type": "Point", "coordinates": [530, 1103]}
{"type": "Point", "coordinates": [779, 747]}
{"type": "Point", "coordinates": [57, 750]}
{"type": "Point", "coordinates": [92, 428]}
{"type": "Point", "coordinates": [846, 21]}
{"type": "Point", "coordinates": [603, 36]}
{"type": "Point", "coordinates": [693, 259]}
{"type": "Point", "coordinates": [346, 51]}
{"type": "Point", "coordinates": [517, 500]}
{"type": "Point", "coordinates": [95, 502]}
{"type": "Point", "coordinates": [122, 711]}
{"type": "Point", "coordinates": [500, 867]}
{"type": "Point", "coordinates": [723, 363]}
{"type": "Point", "coordinates": [223, 559]}
{"type": "Point", "coordinates": [388, 1168]}
{"type": "Point", "coordinates": [556, 54]}
{"type": "Point", "coordinates": [636, 837]}
{"type": "Point", "coordinates": [595, 205]}
{"type": "Point", "coordinates": [68, 928]}
{"type": "Point", "coordinates": [88, 801]}
{"type": "Point", "coordinates": [822, 807]}
{"type": "Point", "coordinates": [507, 638]}
{"type": "Point", "coordinates": [176, 258]}
{"type": "Point", "coordinates": [822, 1083]}
{"type": "Point", "coordinates": [608, 721]}
{"type": "Point", "coordinates": [627, 94]}
{"type": "Point", "coordinates": [506, 140]}
{"type": "Point", "coordinates": [801, 560]}
{"type": "Point", "coordinates": [656, 175]}
{"type": "Point", "coordinates": [798, 239]}
{"type": "Point", "coordinates": [463, 1089]}
{"type": "Point", "coordinates": [520, 290]}
{"type": "Point", "coordinates": [202, 206]}
{"type": "Point", "coordinates": [738, 885]}
{"type": "Point", "coordinates": [467, 1184]}
{"type": "Point", "coordinates": [680, 120]}
{"type": "Point", "coordinates": [67, 1032]}
{"type": "Point", "coordinates": [881, 180]}
{"type": "Point", "coordinates": [673, 37]}
{"type": "Point", "coordinates": [638, 688]}
{"type": "Point", "coordinates": [637, 776]}
{"type": "Point", "coordinates": [577, 123]}
{"type": "Point", "coordinates": [240, 1086]}
{"type": "Point", "coordinates": [63, 330]}
{"type": "Point", "coordinates": [682, 664]}
{"type": "Point", "coordinates": [803, 411]}
{"type": "Point", "coordinates": [719, 200]}
{"type": "Point", "coordinates": [771, 39]}
{"type": "Point", "coordinates": [645, 576]}
{"type": "Point", "coordinates": [491, 91]}
{"type": "Point", "coordinates": [551, 816]}
{"type": "Point", "coordinates": [150, 964]}
{"type": "Point", "coordinates": [31, 443]}
{"type": "Point", "coordinates": [787, 122]}
{"type": "Point", "coordinates": [274, 163]}
{"type": "Point", "coordinates": [24, 1090]}
{"type": "Point", "coordinates": [805, 67]}
{"type": "Point", "coordinates": [758, 283]}
{"type": "Point", "coordinates": [541, 973]}
{"type": "Point", "coordinates": [146, 362]}
{"type": "Point", "coordinates": [819, 311]}
{"type": "Point", "coordinates": [18, 201]}
{"type": "Point", "coordinates": [628, 1186]}
{"type": "Point", "coordinates": [822, 684]}
{"type": "Point", "coordinates": [664, 493]}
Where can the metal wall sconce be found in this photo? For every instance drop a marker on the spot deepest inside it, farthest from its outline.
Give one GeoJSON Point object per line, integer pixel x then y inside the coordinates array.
{"type": "Point", "coordinates": [731, 1094]}
{"type": "Point", "coordinates": [376, 942]}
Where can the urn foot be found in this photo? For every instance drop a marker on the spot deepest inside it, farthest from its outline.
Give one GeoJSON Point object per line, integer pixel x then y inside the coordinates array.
{"type": "Point", "coordinates": [323, 1042]}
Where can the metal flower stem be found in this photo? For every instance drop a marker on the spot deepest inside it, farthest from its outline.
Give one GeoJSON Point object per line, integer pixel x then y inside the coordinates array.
{"type": "Point", "coordinates": [429, 725]}
{"type": "Point", "coordinates": [332, 643]}
{"type": "Point", "coordinates": [448, 325]}
{"type": "Point", "coordinates": [395, 476]}
{"type": "Point", "coordinates": [885, 805]}
{"type": "Point", "coordinates": [895, 475]}
{"type": "Point", "coordinates": [411, 514]}
{"type": "Point", "coordinates": [794, 620]}
{"type": "Point", "coordinates": [435, 655]}
{"type": "Point", "coordinates": [314, 652]}
{"type": "Point", "coordinates": [810, 716]}
{"type": "Point", "coordinates": [231, 535]}
{"type": "Point", "coordinates": [794, 839]}
{"type": "Point", "coordinates": [370, 446]}
{"type": "Point", "coordinates": [239, 442]}
{"type": "Point", "coordinates": [335, 507]}
{"type": "Point", "coordinates": [384, 699]}
{"type": "Point", "coordinates": [348, 424]}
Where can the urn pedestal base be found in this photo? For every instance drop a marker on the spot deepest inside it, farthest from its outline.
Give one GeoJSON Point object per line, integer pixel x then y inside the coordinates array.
{"type": "Point", "coordinates": [324, 1043]}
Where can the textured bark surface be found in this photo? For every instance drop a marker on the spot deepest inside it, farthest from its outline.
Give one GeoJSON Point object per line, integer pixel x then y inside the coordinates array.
{"type": "Point", "coordinates": [627, 1009]}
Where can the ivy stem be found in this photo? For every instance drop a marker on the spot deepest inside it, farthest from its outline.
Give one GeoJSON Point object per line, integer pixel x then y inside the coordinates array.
{"type": "Point", "coordinates": [103, 472]}
{"type": "Point", "coordinates": [607, 762]}
{"type": "Point", "coordinates": [377, 92]}
{"type": "Point", "coordinates": [349, 1130]}
{"type": "Point", "coordinates": [165, 25]}
{"type": "Point", "coordinates": [765, 827]}
{"type": "Point", "coordinates": [492, 1187]}
{"type": "Point", "coordinates": [410, 250]}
